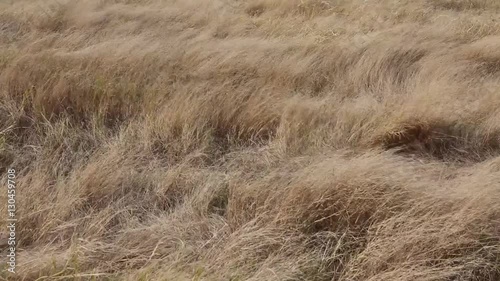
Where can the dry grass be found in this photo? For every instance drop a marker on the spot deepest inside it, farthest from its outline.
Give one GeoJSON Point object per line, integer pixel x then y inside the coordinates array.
{"type": "Point", "coordinates": [253, 139]}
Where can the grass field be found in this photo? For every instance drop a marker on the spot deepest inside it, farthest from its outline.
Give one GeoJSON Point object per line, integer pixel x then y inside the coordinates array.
{"type": "Point", "coordinates": [255, 140]}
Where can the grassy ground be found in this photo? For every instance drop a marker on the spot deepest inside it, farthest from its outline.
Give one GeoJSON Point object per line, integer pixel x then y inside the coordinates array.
{"type": "Point", "coordinates": [252, 139]}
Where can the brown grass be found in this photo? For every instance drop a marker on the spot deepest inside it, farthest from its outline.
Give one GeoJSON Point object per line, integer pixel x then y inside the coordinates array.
{"type": "Point", "coordinates": [252, 140]}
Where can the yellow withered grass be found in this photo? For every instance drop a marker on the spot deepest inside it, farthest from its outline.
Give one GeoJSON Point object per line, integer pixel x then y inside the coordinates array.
{"type": "Point", "coordinates": [252, 139]}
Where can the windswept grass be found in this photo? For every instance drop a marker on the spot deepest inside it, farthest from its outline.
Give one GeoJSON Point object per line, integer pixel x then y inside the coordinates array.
{"type": "Point", "coordinates": [252, 140]}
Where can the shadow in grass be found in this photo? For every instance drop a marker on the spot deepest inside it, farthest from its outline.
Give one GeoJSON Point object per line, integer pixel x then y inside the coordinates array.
{"type": "Point", "coordinates": [441, 141]}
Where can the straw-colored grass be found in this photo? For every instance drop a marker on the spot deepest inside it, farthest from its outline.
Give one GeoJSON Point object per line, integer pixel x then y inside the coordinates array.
{"type": "Point", "coordinates": [252, 139]}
